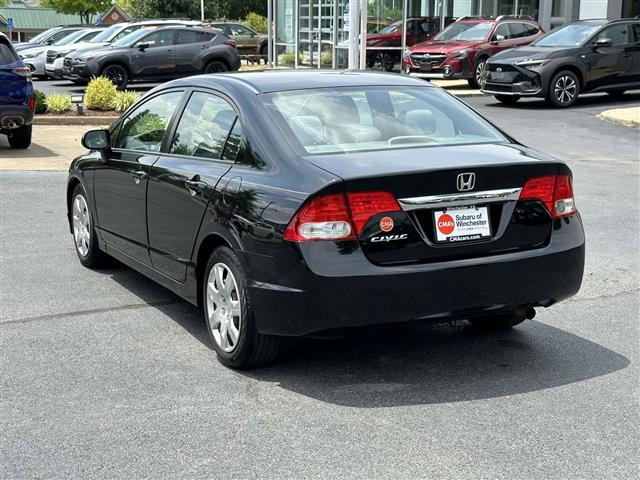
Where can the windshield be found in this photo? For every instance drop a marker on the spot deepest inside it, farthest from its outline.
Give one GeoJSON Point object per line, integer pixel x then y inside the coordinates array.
{"type": "Point", "coordinates": [131, 38]}
{"type": "Point", "coordinates": [41, 37]}
{"type": "Point", "coordinates": [106, 34]}
{"type": "Point", "coordinates": [390, 28]}
{"type": "Point", "coordinates": [71, 38]}
{"type": "Point", "coordinates": [334, 120]}
{"type": "Point", "coordinates": [465, 31]}
{"type": "Point", "coordinates": [568, 35]}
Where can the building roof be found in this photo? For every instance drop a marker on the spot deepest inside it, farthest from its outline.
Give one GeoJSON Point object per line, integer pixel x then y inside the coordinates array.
{"type": "Point", "coordinates": [30, 18]}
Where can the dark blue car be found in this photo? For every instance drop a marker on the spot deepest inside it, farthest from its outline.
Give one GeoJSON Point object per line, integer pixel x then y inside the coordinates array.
{"type": "Point", "coordinates": [17, 101]}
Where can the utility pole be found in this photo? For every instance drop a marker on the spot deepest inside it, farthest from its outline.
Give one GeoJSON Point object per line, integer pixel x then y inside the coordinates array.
{"type": "Point", "coordinates": [354, 27]}
{"type": "Point", "coordinates": [202, 10]}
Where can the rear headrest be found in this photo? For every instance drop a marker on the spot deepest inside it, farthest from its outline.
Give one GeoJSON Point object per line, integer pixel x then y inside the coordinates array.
{"type": "Point", "coordinates": [422, 120]}
{"type": "Point", "coordinates": [308, 129]}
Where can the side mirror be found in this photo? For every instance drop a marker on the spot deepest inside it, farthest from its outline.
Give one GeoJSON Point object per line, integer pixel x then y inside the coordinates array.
{"type": "Point", "coordinates": [142, 46]}
{"type": "Point", "coordinates": [603, 42]}
{"type": "Point", "coordinates": [498, 38]}
{"type": "Point", "coordinates": [96, 140]}
{"type": "Point", "coordinates": [50, 42]}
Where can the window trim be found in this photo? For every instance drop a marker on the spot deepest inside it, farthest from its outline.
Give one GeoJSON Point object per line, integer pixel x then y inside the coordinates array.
{"type": "Point", "coordinates": [117, 126]}
{"type": "Point", "coordinates": [165, 149]}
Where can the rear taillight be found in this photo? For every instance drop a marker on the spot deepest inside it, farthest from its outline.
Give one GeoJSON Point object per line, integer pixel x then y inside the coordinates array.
{"type": "Point", "coordinates": [23, 72]}
{"type": "Point", "coordinates": [554, 191]}
{"type": "Point", "coordinates": [31, 103]}
{"type": "Point", "coordinates": [230, 42]}
{"type": "Point", "coordinates": [323, 218]}
{"type": "Point", "coordinates": [338, 217]}
{"type": "Point", "coordinates": [364, 205]}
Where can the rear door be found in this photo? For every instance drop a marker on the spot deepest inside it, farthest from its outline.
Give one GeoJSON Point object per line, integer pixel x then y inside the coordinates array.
{"type": "Point", "coordinates": [185, 177]}
{"type": "Point", "coordinates": [191, 45]}
{"type": "Point", "coordinates": [120, 182]}
{"type": "Point", "coordinates": [158, 59]}
{"type": "Point", "coordinates": [13, 82]}
{"type": "Point", "coordinates": [635, 54]}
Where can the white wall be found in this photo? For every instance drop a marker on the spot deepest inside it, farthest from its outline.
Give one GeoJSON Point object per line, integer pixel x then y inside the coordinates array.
{"type": "Point", "coordinates": [593, 9]}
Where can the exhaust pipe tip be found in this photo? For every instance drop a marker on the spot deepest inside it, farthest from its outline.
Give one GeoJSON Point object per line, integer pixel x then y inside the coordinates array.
{"type": "Point", "coordinates": [530, 313]}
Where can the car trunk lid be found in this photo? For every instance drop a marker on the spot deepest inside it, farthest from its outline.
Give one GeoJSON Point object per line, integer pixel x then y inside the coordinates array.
{"type": "Point", "coordinates": [488, 217]}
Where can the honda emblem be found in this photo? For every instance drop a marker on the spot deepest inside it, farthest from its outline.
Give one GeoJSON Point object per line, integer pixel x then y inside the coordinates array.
{"type": "Point", "coordinates": [466, 181]}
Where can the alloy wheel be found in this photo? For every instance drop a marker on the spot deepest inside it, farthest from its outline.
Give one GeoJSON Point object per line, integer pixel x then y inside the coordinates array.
{"type": "Point", "coordinates": [481, 73]}
{"type": "Point", "coordinates": [81, 225]}
{"type": "Point", "coordinates": [565, 89]}
{"type": "Point", "coordinates": [223, 307]}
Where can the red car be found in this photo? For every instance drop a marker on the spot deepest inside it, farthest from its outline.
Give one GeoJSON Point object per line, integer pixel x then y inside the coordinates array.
{"type": "Point", "coordinates": [461, 50]}
{"type": "Point", "coordinates": [418, 30]}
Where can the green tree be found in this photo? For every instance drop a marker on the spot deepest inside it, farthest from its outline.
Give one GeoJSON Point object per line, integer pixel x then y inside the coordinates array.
{"type": "Point", "coordinates": [85, 8]}
{"type": "Point", "coordinates": [214, 9]}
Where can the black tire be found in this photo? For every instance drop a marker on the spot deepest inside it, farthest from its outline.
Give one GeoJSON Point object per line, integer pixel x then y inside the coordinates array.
{"type": "Point", "coordinates": [383, 61]}
{"type": "Point", "coordinates": [474, 81]}
{"type": "Point", "coordinates": [503, 321]}
{"type": "Point", "coordinates": [216, 66]}
{"type": "Point", "coordinates": [264, 51]}
{"type": "Point", "coordinates": [252, 349]}
{"type": "Point", "coordinates": [564, 89]}
{"type": "Point", "coordinates": [117, 74]}
{"type": "Point", "coordinates": [20, 138]}
{"type": "Point", "coordinates": [616, 93]}
{"type": "Point", "coordinates": [94, 257]}
{"type": "Point", "coordinates": [507, 99]}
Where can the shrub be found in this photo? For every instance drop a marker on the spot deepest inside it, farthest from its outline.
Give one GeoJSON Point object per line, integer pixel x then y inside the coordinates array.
{"type": "Point", "coordinates": [100, 92]}
{"type": "Point", "coordinates": [288, 58]}
{"type": "Point", "coordinates": [124, 100]}
{"type": "Point", "coordinates": [41, 102]}
{"type": "Point", "coordinates": [257, 22]}
{"type": "Point", "coordinates": [326, 58]}
{"type": "Point", "coordinates": [58, 102]}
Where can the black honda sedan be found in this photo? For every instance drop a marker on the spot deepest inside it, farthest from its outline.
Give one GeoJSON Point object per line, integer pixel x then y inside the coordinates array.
{"type": "Point", "coordinates": [292, 203]}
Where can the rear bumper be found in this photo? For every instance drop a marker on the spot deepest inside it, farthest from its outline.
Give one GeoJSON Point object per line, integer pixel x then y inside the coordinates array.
{"type": "Point", "coordinates": [332, 287]}
{"type": "Point", "coordinates": [14, 116]}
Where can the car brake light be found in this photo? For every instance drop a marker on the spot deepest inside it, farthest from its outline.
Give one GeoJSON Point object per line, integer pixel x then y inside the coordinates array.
{"type": "Point", "coordinates": [23, 72]}
{"type": "Point", "coordinates": [364, 205]}
{"type": "Point", "coordinates": [230, 42]}
{"type": "Point", "coordinates": [338, 217]}
{"type": "Point", "coordinates": [323, 218]}
{"type": "Point", "coordinates": [554, 191]}
{"type": "Point", "coordinates": [31, 103]}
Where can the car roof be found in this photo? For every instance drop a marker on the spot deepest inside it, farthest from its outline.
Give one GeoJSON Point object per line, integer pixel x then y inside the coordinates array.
{"type": "Point", "coordinates": [287, 80]}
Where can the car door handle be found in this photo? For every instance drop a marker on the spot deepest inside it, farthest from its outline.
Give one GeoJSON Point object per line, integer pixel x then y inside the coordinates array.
{"type": "Point", "coordinates": [626, 54]}
{"type": "Point", "coordinates": [138, 175]}
{"type": "Point", "coordinates": [195, 186]}
{"type": "Point", "coordinates": [170, 51]}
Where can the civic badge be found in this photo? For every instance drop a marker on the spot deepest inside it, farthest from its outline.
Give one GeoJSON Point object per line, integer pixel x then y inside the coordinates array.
{"type": "Point", "coordinates": [466, 181]}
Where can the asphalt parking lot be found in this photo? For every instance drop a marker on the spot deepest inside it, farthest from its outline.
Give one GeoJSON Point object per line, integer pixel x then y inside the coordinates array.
{"type": "Point", "coordinates": [106, 374]}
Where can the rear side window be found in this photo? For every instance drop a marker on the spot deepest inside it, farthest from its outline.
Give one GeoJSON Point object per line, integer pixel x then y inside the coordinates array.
{"type": "Point", "coordinates": [144, 128]}
{"type": "Point", "coordinates": [636, 31]}
{"type": "Point", "coordinates": [189, 36]}
{"type": "Point", "coordinates": [531, 30]}
{"type": "Point", "coordinates": [6, 54]}
{"type": "Point", "coordinates": [204, 127]}
{"type": "Point", "coordinates": [518, 30]}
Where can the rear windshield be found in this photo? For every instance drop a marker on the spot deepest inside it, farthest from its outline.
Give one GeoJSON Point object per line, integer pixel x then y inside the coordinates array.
{"type": "Point", "coordinates": [335, 120]}
{"type": "Point", "coordinates": [6, 54]}
{"type": "Point", "coordinates": [465, 31]}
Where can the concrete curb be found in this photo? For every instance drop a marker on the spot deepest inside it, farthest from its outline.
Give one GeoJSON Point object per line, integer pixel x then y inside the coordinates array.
{"type": "Point", "coordinates": [629, 117]}
{"type": "Point", "coordinates": [75, 120]}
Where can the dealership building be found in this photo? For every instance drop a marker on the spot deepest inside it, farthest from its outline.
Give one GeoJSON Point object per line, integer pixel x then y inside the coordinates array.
{"type": "Point", "coordinates": [316, 33]}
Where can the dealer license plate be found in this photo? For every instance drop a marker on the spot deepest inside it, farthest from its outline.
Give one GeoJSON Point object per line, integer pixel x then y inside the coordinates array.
{"type": "Point", "coordinates": [462, 224]}
{"type": "Point", "coordinates": [425, 67]}
{"type": "Point", "coordinates": [497, 75]}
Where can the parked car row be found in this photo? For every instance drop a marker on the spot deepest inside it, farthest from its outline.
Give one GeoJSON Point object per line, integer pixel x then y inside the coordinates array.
{"type": "Point", "coordinates": [511, 57]}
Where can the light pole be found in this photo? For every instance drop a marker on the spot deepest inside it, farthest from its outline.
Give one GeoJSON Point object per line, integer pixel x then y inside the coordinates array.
{"type": "Point", "coordinates": [202, 10]}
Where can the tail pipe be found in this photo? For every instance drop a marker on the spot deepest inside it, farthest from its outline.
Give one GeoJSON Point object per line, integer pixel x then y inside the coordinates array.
{"type": "Point", "coordinates": [530, 313]}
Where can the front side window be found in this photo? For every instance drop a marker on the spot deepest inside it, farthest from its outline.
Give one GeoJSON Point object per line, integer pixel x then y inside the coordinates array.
{"type": "Point", "coordinates": [240, 30]}
{"type": "Point", "coordinates": [518, 30]}
{"type": "Point", "coordinates": [502, 32]}
{"type": "Point", "coordinates": [617, 34]}
{"type": "Point", "coordinates": [336, 120]}
{"type": "Point", "coordinates": [144, 128]}
{"type": "Point", "coordinates": [204, 127]}
{"type": "Point", "coordinates": [162, 38]}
